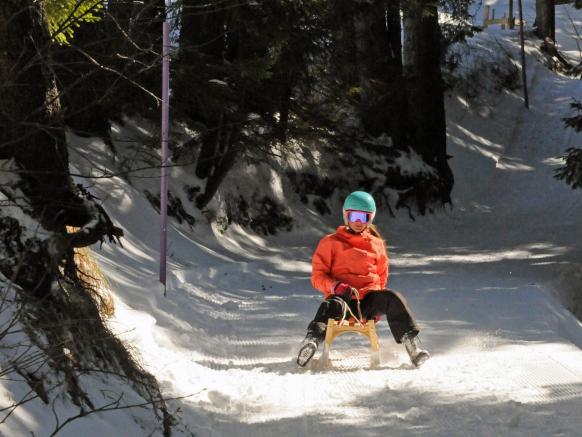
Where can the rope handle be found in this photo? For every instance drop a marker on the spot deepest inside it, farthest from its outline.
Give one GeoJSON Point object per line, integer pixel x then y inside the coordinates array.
{"type": "Point", "coordinates": [357, 294]}
{"type": "Point", "coordinates": [346, 308]}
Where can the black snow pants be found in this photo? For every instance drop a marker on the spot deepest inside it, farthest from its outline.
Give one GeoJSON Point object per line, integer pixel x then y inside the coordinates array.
{"type": "Point", "coordinates": [375, 303]}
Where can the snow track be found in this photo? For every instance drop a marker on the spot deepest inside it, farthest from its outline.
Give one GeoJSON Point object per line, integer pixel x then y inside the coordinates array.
{"type": "Point", "coordinates": [479, 279]}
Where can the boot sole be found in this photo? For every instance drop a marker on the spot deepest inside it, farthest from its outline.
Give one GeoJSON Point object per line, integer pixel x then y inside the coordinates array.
{"type": "Point", "coordinates": [421, 358]}
{"type": "Point", "coordinates": [306, 353]}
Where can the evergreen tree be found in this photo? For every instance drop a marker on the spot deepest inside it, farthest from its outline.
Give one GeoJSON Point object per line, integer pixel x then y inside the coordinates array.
{"type": "Point", "coordinates": [64, 16]}
{"type": "Point", "coordinates": [237, 59]}
{"type": "Point", "coordinates": [571, 172]}
{"type": "Point", "coordinates": [247, 75]}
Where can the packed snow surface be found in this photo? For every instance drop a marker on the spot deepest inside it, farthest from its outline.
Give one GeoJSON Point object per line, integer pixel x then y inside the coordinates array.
{"type": "Point", "coordinates": [480, 277]}
{"type": "Point", "coordinates": [483, 279]}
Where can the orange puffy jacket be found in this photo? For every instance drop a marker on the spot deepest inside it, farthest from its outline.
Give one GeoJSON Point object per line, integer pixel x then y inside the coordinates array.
{"type": "Point", "coordinates": [359, 260]}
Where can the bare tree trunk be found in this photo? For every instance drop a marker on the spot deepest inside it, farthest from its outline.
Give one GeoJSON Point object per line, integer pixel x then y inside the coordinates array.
{"type": "Point", "coordinates": [426, 111]}
{"type": "Point", "coordinates": [546, 19]}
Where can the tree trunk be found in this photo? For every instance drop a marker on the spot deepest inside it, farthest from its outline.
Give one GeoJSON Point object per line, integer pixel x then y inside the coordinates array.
{"type": "Point", "coordinates": [202, 49]}
{"type": "Point", "coordinates": [203, 29]}
{"type": "Point", "coordinates": [230, 122]}
{"type": "Point", "coordinates": [344, 51]}
{"type": "Point", "coordinates": [394, 33]}
{"type": "Point", "coordinates": [545, 21]}
{"type": "Point", "coordinates": [227, 161]}
{"type": "Point", "coordinates": [424, 81]}
{"type": "Point", "coordinates": [284, 108]}
{"type": "Point", "coordinates": [30, 115]}
{"type": "Point", "coordinates": [379, 54]}
{"type": "Point", "coordinates": [370, 39]}
{"type": "Point", "coordinates": [397, 95]}
{"type": "Point", "coordinates": [31, 130]}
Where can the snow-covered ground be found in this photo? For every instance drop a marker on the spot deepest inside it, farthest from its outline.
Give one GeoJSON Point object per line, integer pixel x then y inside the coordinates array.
{"type": "Point", "coordinates": [568, 22]}
{"type": "Point", "coordinates": [483, 279]}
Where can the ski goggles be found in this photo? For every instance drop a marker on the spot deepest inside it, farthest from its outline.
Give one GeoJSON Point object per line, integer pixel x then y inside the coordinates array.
{"type": "Point", "coordinates": [359, 216]}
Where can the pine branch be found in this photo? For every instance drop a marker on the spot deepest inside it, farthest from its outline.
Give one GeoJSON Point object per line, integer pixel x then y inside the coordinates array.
{"type": "Point", "coordinates": [571, 172]}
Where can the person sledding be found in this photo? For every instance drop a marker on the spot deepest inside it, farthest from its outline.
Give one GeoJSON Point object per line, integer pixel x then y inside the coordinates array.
{"type": "Point", "coordinates": [352, 264]}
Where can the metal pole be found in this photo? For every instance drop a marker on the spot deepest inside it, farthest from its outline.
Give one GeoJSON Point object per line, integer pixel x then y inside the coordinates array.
{"type": "Point", "coordinates": [164, 179]}
{"type": "Point", "coordinates": [523, 73]}
{"type": "Point", "coordinates": [511, 19]}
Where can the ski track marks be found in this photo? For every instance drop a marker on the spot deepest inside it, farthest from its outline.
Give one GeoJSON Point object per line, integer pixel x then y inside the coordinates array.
{"type": "Point", "coordinates": [475, 277]}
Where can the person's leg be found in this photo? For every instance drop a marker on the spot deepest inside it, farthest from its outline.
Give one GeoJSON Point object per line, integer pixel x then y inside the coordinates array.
{"type": "Point", "coordinates": [400, 319]}
{"type": "Point", "coordinates": [394, 305]}
{"type": "Point", "coordinates": [329, 309]}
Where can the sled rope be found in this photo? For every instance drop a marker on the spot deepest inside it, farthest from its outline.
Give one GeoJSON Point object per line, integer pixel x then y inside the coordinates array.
{"type": "Point", "coordinates": [346, 308]}
{"type": "Point", "coordinates": [335, 328]}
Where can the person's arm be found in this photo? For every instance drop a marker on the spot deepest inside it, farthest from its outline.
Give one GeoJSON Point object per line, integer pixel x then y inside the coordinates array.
{"type": "Point", "coordinates": [383, 267]}
{"type": "Point", "coordinates": [321, 278]}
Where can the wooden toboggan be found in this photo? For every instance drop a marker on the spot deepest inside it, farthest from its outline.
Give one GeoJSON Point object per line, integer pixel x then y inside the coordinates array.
{"type": "Point", "coordinates": [359, 325]}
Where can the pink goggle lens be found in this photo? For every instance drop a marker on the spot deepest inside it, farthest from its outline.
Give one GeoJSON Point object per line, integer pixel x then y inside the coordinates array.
{"type": "Point", "coordinates": [359, 216]}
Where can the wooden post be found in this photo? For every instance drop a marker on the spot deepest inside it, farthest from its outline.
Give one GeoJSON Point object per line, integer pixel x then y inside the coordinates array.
{"type": "Point", "coordinates": [511, 18]}
{"type": "Point", "coordinates": [485, 16]}
{"type": "Point", "coordinates": [523, 72]}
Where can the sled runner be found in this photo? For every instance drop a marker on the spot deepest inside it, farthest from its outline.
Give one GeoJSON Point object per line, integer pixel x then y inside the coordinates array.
{"type": "Point", "coordinates": [335, 328]}
{"type": "Point", "coordinates": [356, 324]}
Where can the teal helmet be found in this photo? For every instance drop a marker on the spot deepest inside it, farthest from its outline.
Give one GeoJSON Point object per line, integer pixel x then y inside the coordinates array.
{"type": "Point", "coordinates": [359, 201]}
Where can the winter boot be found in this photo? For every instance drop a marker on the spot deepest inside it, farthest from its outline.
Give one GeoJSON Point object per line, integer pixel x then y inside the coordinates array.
{"type": "Point", "coordinates": [315, 335]}
{"type": "Point", "coordinates": [306, 352]}
{"type": "Point", "coordinates": [412, 345]}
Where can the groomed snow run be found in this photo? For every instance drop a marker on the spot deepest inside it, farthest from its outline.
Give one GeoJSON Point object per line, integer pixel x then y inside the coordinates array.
{"type": "Point", "coordinates": [482, 278]}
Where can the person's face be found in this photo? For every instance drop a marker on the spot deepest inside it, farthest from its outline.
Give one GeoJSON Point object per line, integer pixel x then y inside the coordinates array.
{"type": "Point", "coordinates": [358, 220]}
{"type": "Point", "coordinates": [357, 226]}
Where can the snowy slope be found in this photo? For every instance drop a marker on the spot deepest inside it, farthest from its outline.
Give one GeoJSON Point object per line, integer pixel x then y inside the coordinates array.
{"type": "Point", "coordinates": [568, 23]}
{"type": "Point", "coordinates": [482, 279]}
